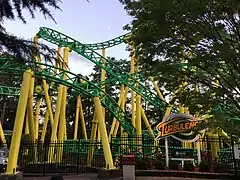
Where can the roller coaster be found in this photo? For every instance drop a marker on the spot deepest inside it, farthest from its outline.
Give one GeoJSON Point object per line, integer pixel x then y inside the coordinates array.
{"type": "Point", "coordinates": [39, 78]}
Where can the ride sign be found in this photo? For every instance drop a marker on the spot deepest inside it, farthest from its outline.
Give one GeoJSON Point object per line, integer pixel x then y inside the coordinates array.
{"type": "Point", "coordinates": [179, 126]}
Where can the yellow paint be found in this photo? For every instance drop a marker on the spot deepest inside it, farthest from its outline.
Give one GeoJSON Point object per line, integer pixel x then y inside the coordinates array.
{"type": "Point", "coordinates": [102, 127]}
{"type": "Point", "coordinates": [37, 114]}
{"type": "Point", "coordinates": [30, 110]}
{"type": "Point", "coordinates": [18, 123]}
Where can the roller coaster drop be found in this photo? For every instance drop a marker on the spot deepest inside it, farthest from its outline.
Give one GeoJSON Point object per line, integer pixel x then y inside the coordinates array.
{"type": "Point", "coordinates": [59, 78]}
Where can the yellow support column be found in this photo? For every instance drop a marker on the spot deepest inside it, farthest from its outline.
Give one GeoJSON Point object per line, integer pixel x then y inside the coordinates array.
{"type": "Point", "coordinates": [82, 120]}
{"type": "Point", "coordinates": [103, 78]}
{"type": "Point", "coordinates": [62, 131]}
{"type": "Point", "coordinates": [18, 123]}
{"type": "Point", "coordinates": [62, 124]}
{"type": "Point", "coordinates": [48, 102]}
{"type": "Point", "coordinates": [37, 114]}
{"type": "Point", "coordinates": [103, 131]}
{"type": "Point", "coordinates": [44, 129]}
{"type": "Point", "coordinates": [56, 121]}
{"type": "Point", "coordinates": [30, 110]}
{"type": "Point", "coordinates": [117, 123]}
{"type": "Point", "coordinates": [132, 92]}
{"type": "Point", "coordinates": [157, 89]}
{"type": "Point", "coordinates": [45, 124]}
{"type": "Point", "coordinates": [138, 121]}
{"type": "Point", "coordinates": [124, 135]}
{"type": "Point", "coordinates": [2, 136]}
{"type": "Point", "coordinates": [26, 125]}
{"type": "Point", "coordinates": [138, 115]}
{"type": "Point", "coordinates": [92, 139]}
{"type": "Point", "coordinates": [57, 113]}
{"type": "Point", "coordinates": [76, 119]}
{"type": "Point", "coordinates": [148, 126]}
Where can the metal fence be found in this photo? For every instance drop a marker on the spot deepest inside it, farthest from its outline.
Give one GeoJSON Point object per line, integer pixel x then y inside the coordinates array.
{"type": "Point", "coordinates": [73, 156]}
{"type": "Point", "coordinates": [58, 157]}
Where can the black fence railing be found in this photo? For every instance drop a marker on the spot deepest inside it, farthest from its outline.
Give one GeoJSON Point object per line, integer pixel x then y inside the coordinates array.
{"type": "Point", "coordinates": [59, 157]}
{"type": "Point", "coordinates": [75, 156]}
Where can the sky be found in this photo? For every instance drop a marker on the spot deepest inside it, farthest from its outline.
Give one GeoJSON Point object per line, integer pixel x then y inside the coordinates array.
{"type": "Point", "coordinates": [96, 21]}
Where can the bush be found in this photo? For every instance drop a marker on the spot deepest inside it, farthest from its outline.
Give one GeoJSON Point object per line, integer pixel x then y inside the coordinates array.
{"type": "Point", "coordinates": [141, 164]}
{"type": "Point", "coordinates": [159, 165]}
{"type": "Point", "coordinates": [204, 167]}
{"type": "Point", "coordinates": [188, 166]}
{"type": "Point", "coordinates": [174, 165]}
{"type": "Point", "coordinates": [222, 168]}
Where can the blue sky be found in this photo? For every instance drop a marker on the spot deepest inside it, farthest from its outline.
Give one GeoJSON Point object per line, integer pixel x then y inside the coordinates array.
{"type": "Point", "coordinates": [96, 21]}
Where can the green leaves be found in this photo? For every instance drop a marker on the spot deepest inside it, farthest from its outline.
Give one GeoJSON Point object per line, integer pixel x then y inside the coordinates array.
{"type": "Point", "coordinates": [20, 48]}
{"type": "Point", "coordinates": [204, 34]}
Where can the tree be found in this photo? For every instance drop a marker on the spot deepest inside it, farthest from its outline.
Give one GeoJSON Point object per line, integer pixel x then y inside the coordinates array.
{"type": "Point", "coordinates": [193, 41]}
{"type": "Point", "coordinates": [10, 10]}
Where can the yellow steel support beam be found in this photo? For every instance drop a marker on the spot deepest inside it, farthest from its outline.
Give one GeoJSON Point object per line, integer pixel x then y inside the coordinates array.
{"type": "Point", "coordinates": [138, 116]}
{"type": "Point", "coordinates": [148, 126]}
{"type": "Point", "coordinates": [92, 139]}
{"type": "Point", "coordinates": [61, 130]}
{"type": "Point", "coordinates": [45, 124]}
{"type": "Point", "coordinates": [18, 123]}
{"type": "Point", "coordinates": [37, 114]}
{"type": "Point", "coordinates": [44, 83]}
{"type": "Point", "coordinates": [117, 123]}
{"type": "Point", "coordinates": [26, 125]}
{"type": "Point", "coordinates": [157, 89]}
{"type": "Point", "coordinates": [103, 78]}
{"type": "Point", "coordinates": [62, 124]}
{"type": "Point", "coordinates": [57, 113]}
{"type": "Point", "coordinates": [76, 119]}
{"type": "Point", "coordinates": [83, 125]}
{"type": "Point", "coordinates": [2, 136]}
{"type": "Point", "coordinates": [132, 92]}
{"type": "Point", "coordinates": [30, 110]}
{"type": "Point", "coordinates": [48, 102]}
{"type": "Point", "coordinates": [103, 131]}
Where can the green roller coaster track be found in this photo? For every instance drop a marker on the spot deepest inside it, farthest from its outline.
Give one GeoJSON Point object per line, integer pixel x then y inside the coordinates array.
{"type": "Point", "coordinates": [109, 43]}
{"type": "Point", "coordinates": [62, 40]}
{"type": "Point", "coordinates": [87, 51]}
{"type": "Point", "coordinates": [9, 91]}
{"type": "Point", "coordinates": [73, 81]}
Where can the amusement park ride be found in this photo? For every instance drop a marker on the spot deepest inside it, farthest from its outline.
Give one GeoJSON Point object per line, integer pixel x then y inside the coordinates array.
{"type": "Point", "coordinates": [57, 77]}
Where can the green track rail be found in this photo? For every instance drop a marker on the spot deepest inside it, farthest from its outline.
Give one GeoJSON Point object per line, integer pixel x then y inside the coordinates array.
{"type": "Point", "coordinates": [62, 40]}
{"type": "Point", "coordinates": [109, 43]}
{"type": "Point", "coordinates": [72, 81]}
{"type": "Point", "coordinates": [9, 91]}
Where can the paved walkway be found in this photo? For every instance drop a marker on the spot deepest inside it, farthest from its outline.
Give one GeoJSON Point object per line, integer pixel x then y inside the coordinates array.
{"type": "Point", "coordinates": [94, 177]}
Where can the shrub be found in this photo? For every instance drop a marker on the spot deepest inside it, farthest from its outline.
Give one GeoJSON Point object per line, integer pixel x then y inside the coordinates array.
{"type": "Point", "coordinates": [222, 168]}
{"type": "Point", "coordinates": [159, 165]}
{"type": "Point", "coordinates": [188, 166]}
{"type": "Point", "coordinates": [173, 165]}
{"type": "Point", "coordinates": [141, 164]}
{"type": "Point", "coordinates": [204, 166]}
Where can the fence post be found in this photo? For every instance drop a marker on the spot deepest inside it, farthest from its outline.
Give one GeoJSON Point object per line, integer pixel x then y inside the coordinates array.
{"type": "Point", "coordinates": [78, 155]}
{"type": "Point", "coordinates": [45, 156]}
{"type": "Point", "coordinates": [234, 160]}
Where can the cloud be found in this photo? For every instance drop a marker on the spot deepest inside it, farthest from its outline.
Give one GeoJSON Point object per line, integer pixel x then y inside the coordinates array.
{"type": "Point", "coordinates": [79, 64]}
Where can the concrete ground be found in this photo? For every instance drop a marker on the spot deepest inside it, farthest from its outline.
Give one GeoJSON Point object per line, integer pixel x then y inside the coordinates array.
{"type": "Point", "coordinates": [94, 177]}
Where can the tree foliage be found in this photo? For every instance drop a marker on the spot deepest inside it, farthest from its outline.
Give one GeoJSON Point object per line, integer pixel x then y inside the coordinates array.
{"type": "Point", "coordinates": [13, 9]}
{"type": "Point", "coordinates": [204, 35]}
